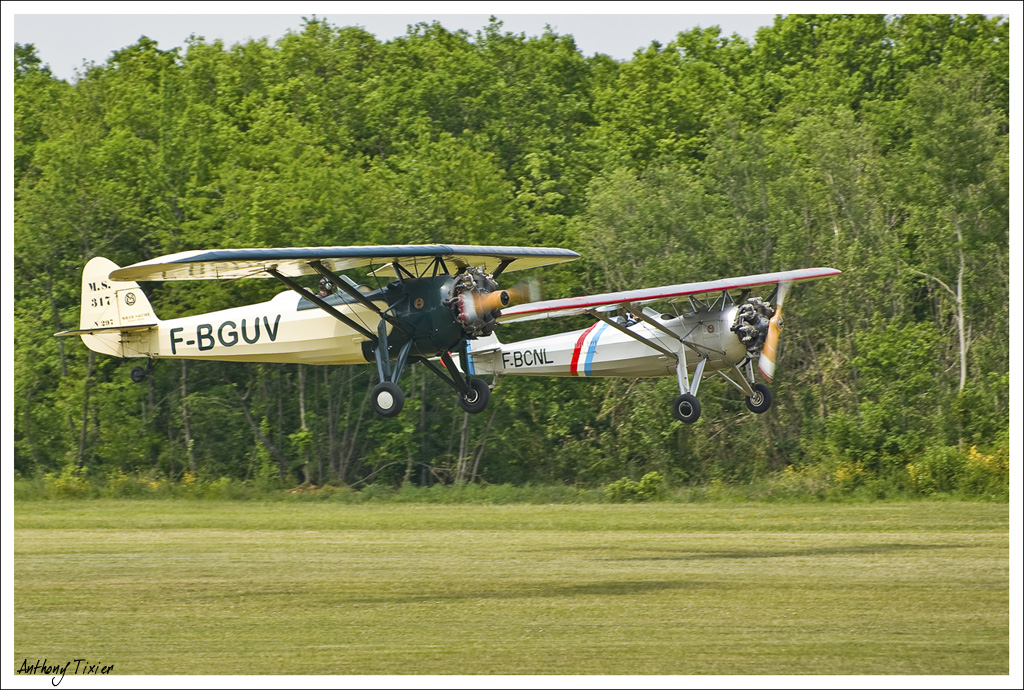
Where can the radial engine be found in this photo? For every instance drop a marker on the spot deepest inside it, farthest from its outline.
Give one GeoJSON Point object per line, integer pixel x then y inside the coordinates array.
{"type": "Point", "coordinates": [475, 301]}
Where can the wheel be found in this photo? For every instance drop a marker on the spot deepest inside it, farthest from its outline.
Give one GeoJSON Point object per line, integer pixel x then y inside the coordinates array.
{"type": "Point", "coordinates": [761, 400]}
{"type": "Point", "coordinates": [686, 408]}
{"type": "Point", "coordinates": [138, 374]}
{"type": "Point", "coordinates": [479, 396]}
{"type": "Point", "coordinates": [387, 399]}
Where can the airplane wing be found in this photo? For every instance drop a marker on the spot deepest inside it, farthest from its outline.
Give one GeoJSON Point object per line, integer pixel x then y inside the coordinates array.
{"type": "Point", "coordinates": [295, 261]}
{"type": "Point", "coordinates": [671, 293]}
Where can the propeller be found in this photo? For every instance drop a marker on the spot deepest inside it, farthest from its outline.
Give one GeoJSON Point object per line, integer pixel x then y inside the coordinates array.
{"type": "Point", "coordinates": [476, 309]}
{"type": "Point", "coordinates": [770, 349]}
{"type": "Point", "coordinates": [526, 291]}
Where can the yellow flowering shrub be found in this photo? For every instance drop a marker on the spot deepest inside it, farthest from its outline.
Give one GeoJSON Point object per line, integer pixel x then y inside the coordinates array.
{"type": "Point", "coordinates": [848, 474]}
{"type": "Point", "coordinates": [987, 473]}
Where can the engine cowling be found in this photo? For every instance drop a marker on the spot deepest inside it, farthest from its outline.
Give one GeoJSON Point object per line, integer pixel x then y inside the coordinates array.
{"type": "Point", "coordinates": [476, 302]}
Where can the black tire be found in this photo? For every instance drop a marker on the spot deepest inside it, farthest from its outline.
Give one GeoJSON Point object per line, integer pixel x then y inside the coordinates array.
{"type": "Point", "coordinates": [387, 399]}
{"type": "Point", "coordinates": [138, 374]}
{"type": "Point", "coordinates": [686, 408]}
{"type": "Point", "coordinates": [761, 400]}
{"type": "Point", "coordinates": [479, 396]}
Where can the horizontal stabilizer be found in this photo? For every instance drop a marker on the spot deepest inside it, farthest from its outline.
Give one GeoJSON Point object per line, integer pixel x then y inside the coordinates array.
{"type": "Point", "coordinates": [108, 329]}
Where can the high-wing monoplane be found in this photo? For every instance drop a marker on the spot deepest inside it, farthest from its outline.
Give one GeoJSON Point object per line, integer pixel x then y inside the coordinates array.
{"type": "Point", "coordinates": [721, 329]}
{"type": "Point", "coordinates": [434, 299]}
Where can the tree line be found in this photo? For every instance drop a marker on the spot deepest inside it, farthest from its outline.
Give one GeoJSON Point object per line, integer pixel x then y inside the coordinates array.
{"type": "Point", "coordinates": [874, 144]}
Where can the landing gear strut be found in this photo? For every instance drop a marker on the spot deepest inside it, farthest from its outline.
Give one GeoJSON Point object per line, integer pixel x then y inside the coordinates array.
{"type": "Point", "coordinates": [758, 396]}
{"type": "Point", "coordinates": [686, 407]}
{"type": "Point", "coordinates": [474, 394]}
{"type": "Point", "coordinates": [387, 398]}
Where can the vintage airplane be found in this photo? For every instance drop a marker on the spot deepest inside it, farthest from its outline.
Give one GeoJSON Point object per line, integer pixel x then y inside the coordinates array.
{"type": "Point", "coordinates": [722, 330]}
{"type": "Point", "coordinates": [442, 299]}
{"type": "Point", "coordinates": [441, 296]}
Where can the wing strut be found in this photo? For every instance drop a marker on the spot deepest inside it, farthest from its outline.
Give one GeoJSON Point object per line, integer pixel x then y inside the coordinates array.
{"type": "Point", "coordinates": [352, 292]}
{"type": "Point", "coordinates": [647, 341]}
{"type": "Point", "coordinates": [501, 268]}
{"type": "Point", "coordinates": [636, 336]}
{"type": "Point", "coordinates": [344, 286]}
{"type": "Point", "coordinates": [639, 313]}
{"type": "Point", "coordinates": [322, 304]}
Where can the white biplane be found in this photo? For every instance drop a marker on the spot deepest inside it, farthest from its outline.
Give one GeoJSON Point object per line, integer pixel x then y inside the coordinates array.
{"type": "Point", "coordinates": [439, 300]}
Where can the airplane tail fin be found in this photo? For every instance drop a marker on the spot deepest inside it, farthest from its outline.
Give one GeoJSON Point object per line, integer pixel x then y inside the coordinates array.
{"type": "Point", "coordinates": [115, 314]}
{"type": "Point", "coordinates": [484, 355]}
{"type": "Point", "coordinates": [485, 344]}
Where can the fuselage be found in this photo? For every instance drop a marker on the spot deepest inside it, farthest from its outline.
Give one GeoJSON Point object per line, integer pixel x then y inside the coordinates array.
{"type": "Point", "coordinates": [273, 331]}
{"type": "Point", "coordinates": [603, 350]}
{"type": "Point", "coordinates": [292, 329]}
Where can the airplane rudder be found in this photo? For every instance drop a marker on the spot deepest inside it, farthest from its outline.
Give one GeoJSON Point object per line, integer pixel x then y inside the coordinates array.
{"type": "Point", "coordinates": [107, 302]}
{"type": "Point", "coordinates": [99, 303]}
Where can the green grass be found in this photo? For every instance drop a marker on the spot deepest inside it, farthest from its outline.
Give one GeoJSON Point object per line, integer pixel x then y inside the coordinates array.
{"type": "Point", "coordinates": [182, 587]}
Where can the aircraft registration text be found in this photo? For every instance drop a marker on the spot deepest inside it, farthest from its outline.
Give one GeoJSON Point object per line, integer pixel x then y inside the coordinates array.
{"type": "Point", "coordinates": [525, 358]}
{"type": "Point", "coordinates": [227, 334]}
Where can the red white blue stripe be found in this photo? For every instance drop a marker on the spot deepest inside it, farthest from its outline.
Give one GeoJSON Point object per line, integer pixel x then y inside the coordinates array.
{"type": "Point", "coordinates": [585, 349]}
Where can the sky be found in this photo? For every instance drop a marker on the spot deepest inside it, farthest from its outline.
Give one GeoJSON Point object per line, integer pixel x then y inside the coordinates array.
{"type": "Point", "coordinates": [65, 38]}
{"type": "Point", "coordinates": [70, 34]}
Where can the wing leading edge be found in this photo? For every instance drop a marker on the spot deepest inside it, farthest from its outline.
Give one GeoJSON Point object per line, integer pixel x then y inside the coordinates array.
{"type": "Point", "coordinates": [580, 305]}
{"type": "Point", "coordinates": [295, 261]}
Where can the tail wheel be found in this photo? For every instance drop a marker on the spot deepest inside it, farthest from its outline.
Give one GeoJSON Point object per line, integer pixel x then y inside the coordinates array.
{"type": "Point", "coordinates": [477, 398]}
{"type": "Point", "coordinates": [686, 408]}
{"type": "Point", "coordinates": [761, 400]}
{"type": "Point", "coordinates": [387, 399]}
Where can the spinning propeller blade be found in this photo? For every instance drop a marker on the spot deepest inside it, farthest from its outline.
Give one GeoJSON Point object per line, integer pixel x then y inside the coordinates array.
{"type": "Point", "coordinates": [771, 343]}
{"type": "Point", "coordinates": [526, 291]}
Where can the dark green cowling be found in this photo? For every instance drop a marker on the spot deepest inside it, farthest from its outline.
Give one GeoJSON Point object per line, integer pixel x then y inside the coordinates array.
{"type": "Point", "coordinates": [419, 305]}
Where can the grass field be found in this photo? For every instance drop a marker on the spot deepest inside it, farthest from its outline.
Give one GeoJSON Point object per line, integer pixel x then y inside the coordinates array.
{"type": "Point", "coordinates": [193, 587]}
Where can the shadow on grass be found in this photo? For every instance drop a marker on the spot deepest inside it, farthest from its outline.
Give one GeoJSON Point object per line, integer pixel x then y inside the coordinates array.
{"type": "Point", "coordinates": [513, 590]}
{"type": "Point", "coordinates": [541, 590]}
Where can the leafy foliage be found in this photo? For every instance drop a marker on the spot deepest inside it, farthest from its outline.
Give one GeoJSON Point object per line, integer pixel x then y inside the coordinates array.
{"type": "Point", "coordinates": [875, 144]}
